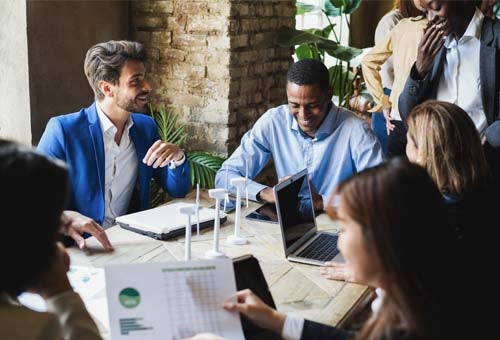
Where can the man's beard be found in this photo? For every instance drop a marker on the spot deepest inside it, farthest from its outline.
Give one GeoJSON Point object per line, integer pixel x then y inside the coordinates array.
{"type": "Point", "coordinates": [131, 105]}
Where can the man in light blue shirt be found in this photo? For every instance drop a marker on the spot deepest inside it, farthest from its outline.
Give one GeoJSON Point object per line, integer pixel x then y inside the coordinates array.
{"type": "Point", "coordinates": [310, 132]}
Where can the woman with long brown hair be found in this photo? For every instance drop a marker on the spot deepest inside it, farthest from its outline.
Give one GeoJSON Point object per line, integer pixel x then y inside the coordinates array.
{"type": "Point", "coordinates": [390, 240]}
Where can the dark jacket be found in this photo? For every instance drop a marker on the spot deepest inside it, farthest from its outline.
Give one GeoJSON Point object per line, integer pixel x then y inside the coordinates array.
{"type": "Point", "coordinates": [417, 90]}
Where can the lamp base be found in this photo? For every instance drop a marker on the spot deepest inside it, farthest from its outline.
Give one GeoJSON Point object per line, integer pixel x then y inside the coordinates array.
{"type": "Point", "coordinates": [214, 254]}
{"type": "Point", "coordinates": [238, 240]}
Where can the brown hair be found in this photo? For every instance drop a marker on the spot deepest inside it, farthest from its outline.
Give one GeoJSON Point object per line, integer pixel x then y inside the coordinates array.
{"type": "Point", "coordinates": [407, 8]}
{"type": "Point", "coordinates": [388, 202]}
{"type": "Point", "coordinates": [104, 61]}
{"type": "Point", "coordinates": [449, 147]}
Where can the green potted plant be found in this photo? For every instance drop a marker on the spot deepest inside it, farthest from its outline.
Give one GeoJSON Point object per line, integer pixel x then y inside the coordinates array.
{"type": "Point", "coordinates": [316, 43]}
{"type": "Point", "coordinates": [203, 165]}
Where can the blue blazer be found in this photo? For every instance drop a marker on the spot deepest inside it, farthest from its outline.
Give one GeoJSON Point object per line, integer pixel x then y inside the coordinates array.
{"type": "Point", "coordinates": [76, 138]}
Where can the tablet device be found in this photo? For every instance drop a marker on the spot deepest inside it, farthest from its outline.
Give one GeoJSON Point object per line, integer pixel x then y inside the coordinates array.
{"type": "Point", "coordinates": [248, 275]}
{"type": "Point", "coordinates": [265, 213]}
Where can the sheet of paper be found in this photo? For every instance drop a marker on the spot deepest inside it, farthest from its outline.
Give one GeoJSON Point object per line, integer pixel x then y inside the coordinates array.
{"type": "Point", "coordinates": [89, 283]}
{"type": "Point", "coordinates": [171, 300]}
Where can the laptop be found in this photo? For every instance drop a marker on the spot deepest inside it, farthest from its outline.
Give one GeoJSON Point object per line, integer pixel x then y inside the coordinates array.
{"type": "Point", "coordinates": [165, 222]}
{"type": "Point", "coordinates": [301, 239]}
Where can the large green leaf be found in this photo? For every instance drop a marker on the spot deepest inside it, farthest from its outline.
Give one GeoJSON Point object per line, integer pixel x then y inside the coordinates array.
{"type": "Point", "coordinates": [334, 8]}
{"type": "Point", "coordinates": [304, 51]}
{"type": "Point", "coordinates": [345, 53]}
{"type": "Point", "coordinates": [289, 37]}
{"type": "Point", "coordinates": [303, 8]}
{"type": "Point", "coordinates": [168, 129]}
{"type": "Point", "coordinates": [203, 168]}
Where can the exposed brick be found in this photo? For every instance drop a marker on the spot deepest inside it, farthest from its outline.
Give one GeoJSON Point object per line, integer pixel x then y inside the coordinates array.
{"type": "Point", "coordinates": [238, 72]}
{"type": "Point", "coordinates": [249, 25]}
{"type": "Point", "coordinates": [219, 71]}
{"type": "Point", "coordinates": [222, 9]}
{"type": "Point", "coordinates": [200, 24]}
{"type": "Point", "coordinates": [163, 6]}
{"type": "Point", "coordinates": [141, 6]}
{"type": "Point", "coordinates": [218, 42]}
{"type": "Point", "coordinates": [177, 24]}
{"type": "Point", "coordinates": [148, 22]}
{"type": "Point", "coordinates": [249, 85]}
{"type": "Point", "coordinates": [189, 40]}
{"type": "Point", "coordinates": [172, 54]}
{"type": "Point", "coordinates": [187, 7]}
{"type": "Point", "coordinates": [161, 38]}
{"type": "Point", "coordinates": [213, 64]}
{"type": "Point", "coordinates": [238, 41]}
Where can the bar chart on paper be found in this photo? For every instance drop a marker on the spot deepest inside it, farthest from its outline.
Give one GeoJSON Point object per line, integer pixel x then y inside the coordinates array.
{"type": "Point", "coordinates": [171, 300]}
{"type": "Point", "coordinates": [194, 306]}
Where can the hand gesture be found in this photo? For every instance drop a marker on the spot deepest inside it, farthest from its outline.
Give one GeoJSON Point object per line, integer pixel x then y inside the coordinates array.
{"type": "Point", "coordinates": [337, 271]}
{"type": "Point", "coordinates": [162, 153]}
{"type": "Point", "coordinates": [249, 305]}
{"type": "Point", "coordinates": [75, 224]}
{"type": "Point", "coordinates": [432, 41]}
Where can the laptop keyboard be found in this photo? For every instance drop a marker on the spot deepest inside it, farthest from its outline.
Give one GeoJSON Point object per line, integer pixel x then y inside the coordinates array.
{"type": "Point", "coordinates": [323, 248]}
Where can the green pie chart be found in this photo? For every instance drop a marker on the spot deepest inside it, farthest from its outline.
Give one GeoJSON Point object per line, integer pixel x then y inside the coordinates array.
{"type": "Point", "coordinates": [129, 297]}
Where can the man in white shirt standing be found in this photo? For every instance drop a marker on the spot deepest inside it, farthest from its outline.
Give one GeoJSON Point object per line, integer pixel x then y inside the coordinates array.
{"type": "Point", "coordinates": [458, 62]}
{"type": "Point", "coordinates": [113, 150]}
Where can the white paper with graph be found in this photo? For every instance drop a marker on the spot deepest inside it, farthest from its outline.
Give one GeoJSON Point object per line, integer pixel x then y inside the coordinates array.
{"type": "Point", "coordinates": [172, 300]}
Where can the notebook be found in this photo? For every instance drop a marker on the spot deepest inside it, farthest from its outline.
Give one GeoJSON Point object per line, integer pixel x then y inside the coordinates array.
{"type": "Point", "coordinates": [166, 221]}
{"type": "Point", "coordinates": [301, 239]}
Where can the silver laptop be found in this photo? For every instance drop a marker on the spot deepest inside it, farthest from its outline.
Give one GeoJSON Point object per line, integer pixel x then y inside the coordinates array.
{"type": "Point", "coordinates": [301, 239]}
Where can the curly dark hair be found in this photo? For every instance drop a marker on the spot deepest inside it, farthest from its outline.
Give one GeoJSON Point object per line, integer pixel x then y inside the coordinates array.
{"type": "Point", "coordinates": [310, 72]}
{"type": "Point", "coordinates": [34, 190]}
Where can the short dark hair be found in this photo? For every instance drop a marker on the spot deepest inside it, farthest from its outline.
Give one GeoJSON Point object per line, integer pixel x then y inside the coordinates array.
{"type": "Point", "coordinates": [104, 61]}
{"type": "Point", "coordinates": [309, 72]}
{"type": "Point", "coordinates": [34, 190]}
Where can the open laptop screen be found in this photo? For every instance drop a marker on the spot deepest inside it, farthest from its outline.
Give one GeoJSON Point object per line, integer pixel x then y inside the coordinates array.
{"type": "Point", "coordinates": [295, 208]}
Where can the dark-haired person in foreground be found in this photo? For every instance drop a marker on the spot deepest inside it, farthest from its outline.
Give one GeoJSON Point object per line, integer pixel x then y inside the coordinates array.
{"type": "Point", "coordinates": [310, 132]}
{"type": "Point", "coordinates": [111, 148]}
{"type": "Point", "coordinates": [34, 191]}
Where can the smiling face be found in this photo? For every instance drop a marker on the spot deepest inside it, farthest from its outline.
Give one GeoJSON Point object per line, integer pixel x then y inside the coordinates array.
{"type": "Point", "coordinates": [454, 14]}
{"type": "Point", "coordinates": [308, 105]}
{"type": "Point", "coordinates": [358, 252]}
{"type": "Point", "coordinates": [132, 91]}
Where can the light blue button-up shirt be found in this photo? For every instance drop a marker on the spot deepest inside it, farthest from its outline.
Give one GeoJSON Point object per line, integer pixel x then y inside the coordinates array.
{"type": "Point", "coordinates": [344, 144]}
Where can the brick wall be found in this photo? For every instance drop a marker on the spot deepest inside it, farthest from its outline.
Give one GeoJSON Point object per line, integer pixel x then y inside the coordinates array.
{"type": "Point", "coordinates": [214, 63]}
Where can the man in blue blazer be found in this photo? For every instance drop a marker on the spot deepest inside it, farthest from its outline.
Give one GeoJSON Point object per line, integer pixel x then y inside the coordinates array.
{"type": "Point", "coordinates": [111, 148]}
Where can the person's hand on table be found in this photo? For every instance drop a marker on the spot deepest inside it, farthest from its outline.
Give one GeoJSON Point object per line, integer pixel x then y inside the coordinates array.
{"type": "Point", "coordinates": [160, 154]}
{"type": "Point", "coordinates": [266, 195]}
{"type": "Point", "coordinates": [337, 271]}
{"type": "Point", "coordinates": [251, 306]}
{"type": "Point", "coordinates": [75, 224]}
{"type": "Point", "coordinates": [54, 281]}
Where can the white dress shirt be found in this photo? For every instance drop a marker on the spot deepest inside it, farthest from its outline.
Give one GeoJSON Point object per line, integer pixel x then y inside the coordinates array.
{"type": "Point", "coordinates": [120, 169]}
{"type": "Point", "coordinates": [460, 82]}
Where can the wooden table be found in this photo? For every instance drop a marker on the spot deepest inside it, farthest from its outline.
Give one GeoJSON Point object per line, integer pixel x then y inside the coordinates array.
{"type": "Point", "coordinates": [296, 288]}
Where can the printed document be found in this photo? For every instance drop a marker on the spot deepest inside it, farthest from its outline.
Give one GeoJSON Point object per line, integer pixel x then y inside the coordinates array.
{"type": "Point", "coordinates": [172, 300]}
